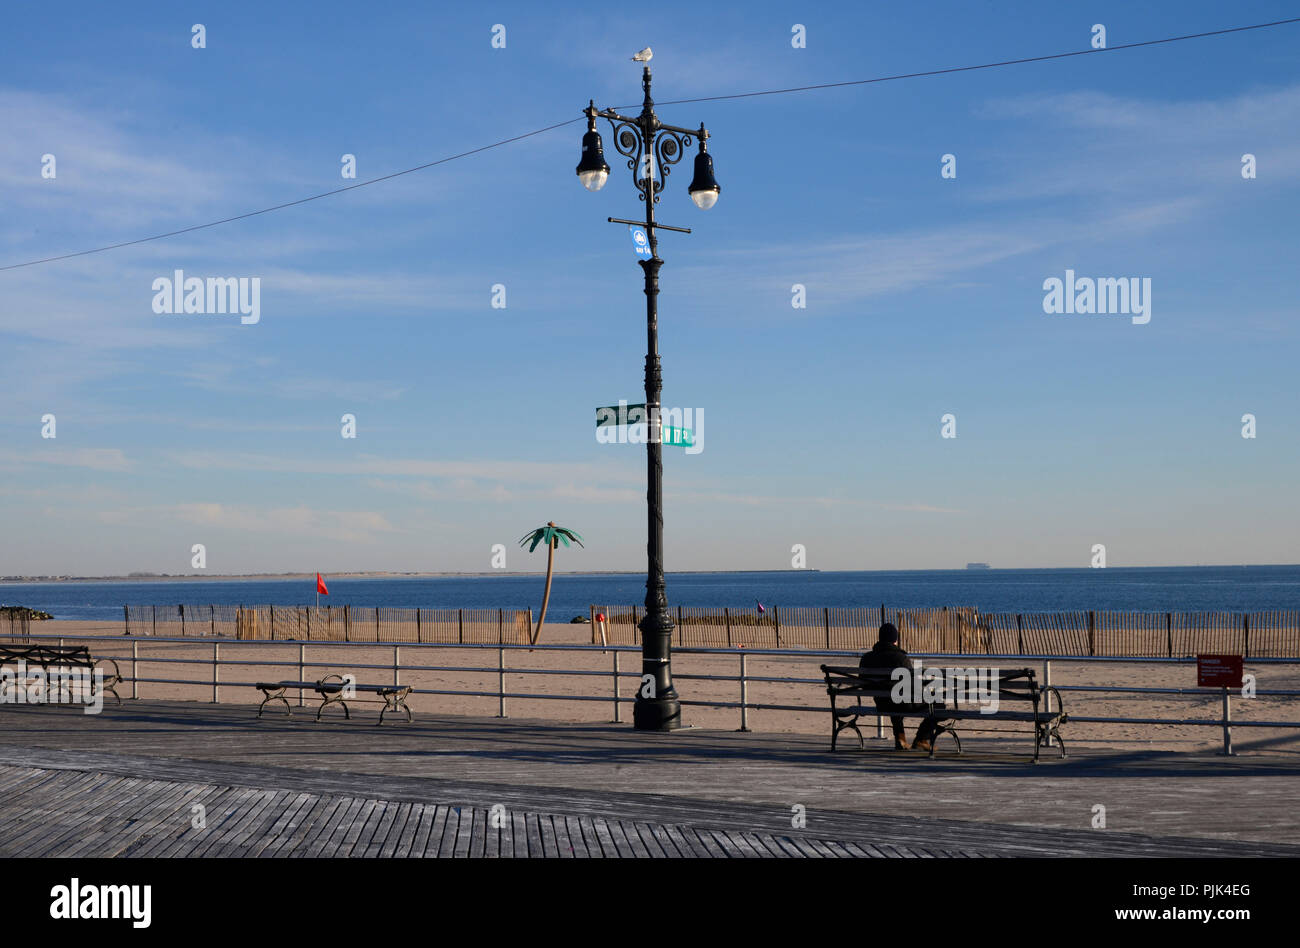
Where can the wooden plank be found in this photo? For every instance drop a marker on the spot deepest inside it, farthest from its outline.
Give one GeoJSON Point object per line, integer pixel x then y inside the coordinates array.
{"type": "Point", "coordinates": [329, 832]}
{"type": "Point", "coordinates": [164, 839]}
{"type": "Point", "coordinates": [562, 842]}
{"type": "Point", "coordinates": [684, 845]}
{"type": "Point", "coordinates": [400, 835]}
{"type": "Point", "coordinates": [665, 842]}
{"type": "Point", "coordinates": [464, 832]}
{"type": "Point", "coordinates": [627, 840]}
{"type": "Point", "coordinates": [184, 843]}
{"type": "Point", "coordinates": [356, 825]}
{"type": "Point", "coordinates": [603, 837]}
{"type": "Point", "coordinates": [534, 831]}
{"type": "Point", "coordinates": [706, 841]}
{"type": "Point", "coordinates": [298, 828]}
{"type": "Point", "coordinates": [649, 840]}
{"type": "Point", "coordinates": [318, 829]}
{"type": "Point", "coordinates": [266, 842]}
{"type": "Point", "coordinates": [519, 832]}
{"type": "Point", "coordinates": [576, 838]}
{"type": "Point", "coordinates": [765, 846]}
{"type": "Point", "coordinates": [246, 832]}
{"type": "Point", "coordinates": [546, 829]}
{"type": "Point", "coordinates": [417, 835]}
{"type": "Point", "coordinates": [372, 838]}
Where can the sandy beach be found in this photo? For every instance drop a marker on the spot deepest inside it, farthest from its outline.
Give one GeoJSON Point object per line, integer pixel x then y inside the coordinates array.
{"type": "Point", "coordinates": [244, 663]}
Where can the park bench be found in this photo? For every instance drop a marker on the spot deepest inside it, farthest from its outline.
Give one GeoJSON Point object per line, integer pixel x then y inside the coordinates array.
{"type": "Point", "coordinates": [331, 688]}
{"type": "Point", "coordinates": [46, 657]}
{"type": "Point", "coordinates": [852, 689]}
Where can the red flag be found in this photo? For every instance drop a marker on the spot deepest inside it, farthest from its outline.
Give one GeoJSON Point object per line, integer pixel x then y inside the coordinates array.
{"type": "Point", "coordinates": [320, 586]}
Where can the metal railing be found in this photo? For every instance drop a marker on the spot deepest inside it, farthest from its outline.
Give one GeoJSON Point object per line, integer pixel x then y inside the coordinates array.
{"type": "Point", "coordinates": [616, 674]}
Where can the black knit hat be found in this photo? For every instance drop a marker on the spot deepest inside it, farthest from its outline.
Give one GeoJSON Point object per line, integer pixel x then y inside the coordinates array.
{"type": "Point", "coordinates": [889, 634]}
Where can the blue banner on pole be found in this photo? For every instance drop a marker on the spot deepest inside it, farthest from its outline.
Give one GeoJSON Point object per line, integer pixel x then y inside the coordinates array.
{"type": "Point", "coordinates": [639, 241]}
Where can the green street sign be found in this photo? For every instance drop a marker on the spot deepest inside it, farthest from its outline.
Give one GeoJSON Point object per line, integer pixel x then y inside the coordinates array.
{"type": "Point", "coordinates": [680, 437]}
{"type": "Point", "coordinates": [621, 414]}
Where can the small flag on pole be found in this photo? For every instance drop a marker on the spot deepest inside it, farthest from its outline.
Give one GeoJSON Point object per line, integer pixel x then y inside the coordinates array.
{"type": "Point", "coordinates": [320, 586]}
{"type": "Point", "coordinates": [761, 610]}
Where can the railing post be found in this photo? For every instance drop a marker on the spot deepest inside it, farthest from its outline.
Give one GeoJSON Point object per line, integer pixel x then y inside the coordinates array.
{"type": "Point", "coordinates": [744, 695]}
{"type": "Point", "coordinates": [302, 670]}
{"type": "Point", "coordinates": [618, 713]}
{"type": "Point", "coordinates": [1227, 724]}
{"type": "Point", "coordinates": [216, 672]}
{"type": "Point", "coordinates": [501, 681]}
{"type": "Point", "coordinates": [135, 661]}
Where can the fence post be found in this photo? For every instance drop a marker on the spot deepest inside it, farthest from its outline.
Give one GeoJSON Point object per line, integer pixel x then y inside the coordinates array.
{"type": "Point", "coordinates": [126, 620]}
{"type": "Point", "coordinates": [182, 612]}
{"type": "Point", "coordinates": [212, 613]}
{"type": "Point", "coordinates": [272, 623]}
{"type": "Point", "coordinates": [397, 664]}
{"type": "Point", "coordinates": [347, 623]}
{"type": "Point", "coordinates": [135, 660]}
{"type": "Point", "coordinates": [1245, 625]}
{"type": "Point", "coordinates": [155, 620]}
{"type": "Point", "coordinates": [776, 618]}
{"type": "Point", "coordinates": [679, 626]}
{"type": "Point", "coordinates": [501, 678]}
{"type": "Point", "coordinates": [618, 714]}
{"type": "Point", "coordinates": [501, 626]}
{"type": "Point", "coordinates": [826, 615]}
{"type": "Point", "coordinates": [882, 613]}
{"type": "Point", "coordinates": [419, 635]}
{"type": "Point", "coordinates": [1169, 631]}
{"type": "Point", "coordinates": [1092, 633]}
{"type": "Point", "coordinates": [460, 625]}
{"type": "Point", "coordinates": [377, 634]}
{"type": "Point", "coordinates": [216, 672]}
{"type": "Point", "coordinates": [744, 695]}
{"type": "Point", "coordinates": [726, 618]}
{"type": "Point", "coordinates": [1227, 719]}
{"type": "Point", "coordinates": [1020, 636]}
{"type": "Point", "coordinates": [302, 670]}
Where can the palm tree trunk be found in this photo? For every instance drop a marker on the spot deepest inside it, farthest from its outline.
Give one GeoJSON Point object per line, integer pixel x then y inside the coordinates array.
{"type": "Point", "coordinates": [546, 596]}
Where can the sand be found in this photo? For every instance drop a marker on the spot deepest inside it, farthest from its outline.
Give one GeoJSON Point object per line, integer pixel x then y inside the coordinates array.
{"type": "Point", "coordinates": [476, 670]}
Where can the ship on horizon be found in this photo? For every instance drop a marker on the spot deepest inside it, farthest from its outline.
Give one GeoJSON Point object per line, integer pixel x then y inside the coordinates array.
{"type": "Point", "coordinates": [978, 566]}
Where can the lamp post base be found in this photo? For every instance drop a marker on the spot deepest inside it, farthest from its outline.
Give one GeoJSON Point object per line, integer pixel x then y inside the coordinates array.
{"type": "Point", "coordinates": [657, 714]}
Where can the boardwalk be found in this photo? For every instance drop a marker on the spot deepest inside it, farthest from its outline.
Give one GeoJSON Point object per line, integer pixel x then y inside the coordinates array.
{"type": "Point", "coordinates": [126, 783]}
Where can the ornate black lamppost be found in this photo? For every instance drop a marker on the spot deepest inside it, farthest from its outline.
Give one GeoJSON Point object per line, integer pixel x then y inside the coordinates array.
{"type": "Point", "coordinates": [651, 148]}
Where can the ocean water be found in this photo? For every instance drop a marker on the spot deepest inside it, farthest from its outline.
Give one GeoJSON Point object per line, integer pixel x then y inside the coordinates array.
{"type": "Point", "coordinates": [1155, 589]}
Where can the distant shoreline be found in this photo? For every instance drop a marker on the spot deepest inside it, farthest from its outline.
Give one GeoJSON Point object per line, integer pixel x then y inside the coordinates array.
{"type": "Point", "coordinates": [385, 574]}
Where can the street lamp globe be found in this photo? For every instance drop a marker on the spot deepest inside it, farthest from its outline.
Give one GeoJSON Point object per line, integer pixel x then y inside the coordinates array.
{"type": "Point", "coordinates": [592, 170]}
{"type": "Point", "coordinates": [704, 187]}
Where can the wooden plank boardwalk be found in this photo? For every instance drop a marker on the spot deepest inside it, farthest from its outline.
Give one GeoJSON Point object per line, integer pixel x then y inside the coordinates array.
{"type": "Point", "coordinates": [125, 783]}
{"type": "Point", "coordinates": [47, 813]}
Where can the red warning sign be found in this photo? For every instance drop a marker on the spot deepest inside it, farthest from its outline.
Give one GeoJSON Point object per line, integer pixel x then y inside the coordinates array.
{"type": "Point", "coordinates": [1218, 671]}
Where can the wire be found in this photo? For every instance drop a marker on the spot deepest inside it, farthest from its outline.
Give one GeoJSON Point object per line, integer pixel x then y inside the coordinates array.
{"type": "Point", "coordinates": [1007, 62]}
{"type": "Point", "coordinates": [710, 98]}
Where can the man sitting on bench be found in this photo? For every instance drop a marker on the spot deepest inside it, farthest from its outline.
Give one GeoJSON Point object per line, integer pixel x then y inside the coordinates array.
{"type": "Point", "coordinates": [886, 654]}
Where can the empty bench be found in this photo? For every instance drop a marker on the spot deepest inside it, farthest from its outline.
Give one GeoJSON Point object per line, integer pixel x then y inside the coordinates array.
{"type": "Point", "coordinates": [46, 657]}
{"type": "Point", "coordinates": [852, 689]}
{"type": "Point", "coordinates": [333, 689]}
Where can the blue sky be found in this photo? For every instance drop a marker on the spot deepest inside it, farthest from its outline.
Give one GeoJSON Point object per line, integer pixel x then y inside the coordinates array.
{"type": "Point", "coordinates": [821, 425]}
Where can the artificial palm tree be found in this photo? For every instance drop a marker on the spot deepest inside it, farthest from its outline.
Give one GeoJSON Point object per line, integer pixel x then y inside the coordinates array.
{"type": "Point", "coordinates": [552, 536]}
